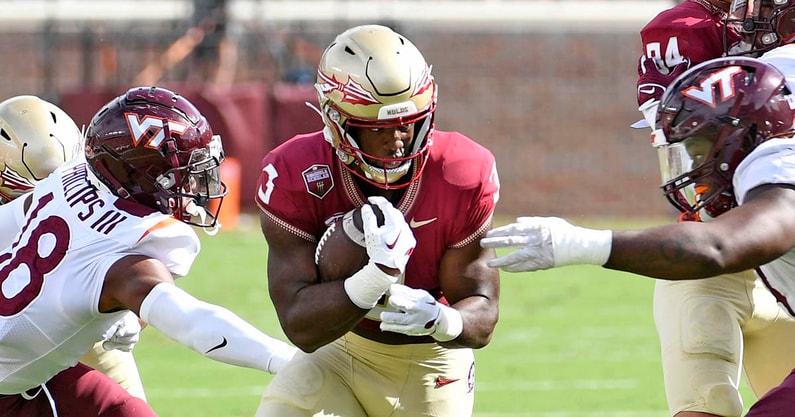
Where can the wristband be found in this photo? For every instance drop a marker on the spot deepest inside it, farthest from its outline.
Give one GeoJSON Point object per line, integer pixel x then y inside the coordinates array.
{"type": "Point", "coordinates": [583, 246]}
{"type": "Point", "coordinates": [366, 287]}
{"type": "Point", "coordinates": [449, 325]}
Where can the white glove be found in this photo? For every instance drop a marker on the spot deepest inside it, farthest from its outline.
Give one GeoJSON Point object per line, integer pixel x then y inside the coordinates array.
{"type": "Point", "coordinates": [389, 245]}
{"type": "Point", "coordinates": [389, 248]}
{"type": "Point", "coordinates": [547, 242]}
{"type": "Point", "coordinates": [124, 334]}
{"type": "Point", "coordinates": [419, 314]}
{"type": "Point", "coordinates": [649, 112]}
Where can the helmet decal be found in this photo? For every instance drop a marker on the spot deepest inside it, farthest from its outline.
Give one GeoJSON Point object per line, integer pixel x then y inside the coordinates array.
{"type": "Point", "coordinates": [13, 181]}
{"type": "Point", "coordinates": [722, 80]}
{"type": "Point", "coordinates": [352, 92]}
{"type": "Point", "coordinates": [424, 82]}
{"type": "Point", "coordinates": [140, 127]}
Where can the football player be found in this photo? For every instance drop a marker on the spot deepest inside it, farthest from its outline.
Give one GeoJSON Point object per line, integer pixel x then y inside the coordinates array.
{"type": "Point", "coordinates": [702, 357]}
{"type": "Point", "coordinates": [396, 338]}
{"type": "Point", "coordinates": [728, 125]}
{"type": "Point", "coordinates": [37, 138]}
{"type": "Point", "coordinates": [689, 33]}
{"type": "Point", "coordinates": [105, 234]}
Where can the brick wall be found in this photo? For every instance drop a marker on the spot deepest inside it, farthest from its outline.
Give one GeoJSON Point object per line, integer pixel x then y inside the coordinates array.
{"type": "Point", "coordinates": [554, 107]}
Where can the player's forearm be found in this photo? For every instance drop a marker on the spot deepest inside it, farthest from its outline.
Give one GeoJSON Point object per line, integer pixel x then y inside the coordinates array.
{"type": "Point", "coordinates": [318, 315]}
{"type": "Point", "coordinates": [479, 315]}
{"type": "Point", "coordinates": [211, 330]}
{"type": "Point", "coordinates": [672, 252]}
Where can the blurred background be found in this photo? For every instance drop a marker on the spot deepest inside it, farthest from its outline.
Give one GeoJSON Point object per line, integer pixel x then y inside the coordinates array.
{"type": "Point", "coordinates": [547, 85]}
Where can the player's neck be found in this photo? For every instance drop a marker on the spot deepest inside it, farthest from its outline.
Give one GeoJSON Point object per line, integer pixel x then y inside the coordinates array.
{"type": "Point", "coordinates": [368, 190]}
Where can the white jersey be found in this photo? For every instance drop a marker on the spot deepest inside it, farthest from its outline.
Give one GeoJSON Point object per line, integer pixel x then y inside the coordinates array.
{"type": "Point", "coordinates": [772, 162]}
{"type": "Point", "coordinates": [783, 58]}
{"type": "Point", "coordinates": [51, 276]}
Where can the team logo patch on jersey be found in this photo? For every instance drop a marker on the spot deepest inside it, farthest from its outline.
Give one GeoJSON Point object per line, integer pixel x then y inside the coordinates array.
{"type": "Point", "coordinates": [318, 180]}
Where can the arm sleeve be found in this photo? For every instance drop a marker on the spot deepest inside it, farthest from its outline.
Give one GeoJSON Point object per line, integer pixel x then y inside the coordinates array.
{"type": "Point", "coordinates": [213, 331]}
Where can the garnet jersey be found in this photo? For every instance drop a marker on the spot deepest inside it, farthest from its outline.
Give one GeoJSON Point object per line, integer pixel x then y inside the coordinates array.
{"type": "Point", "coordinates": [51, 276]}
{"type": "Point", "coordinates": [304, 187]}
{"type": "Point", "coordinates": [687, 34]}
{"type": "Point", "coordinates": [772, 162]}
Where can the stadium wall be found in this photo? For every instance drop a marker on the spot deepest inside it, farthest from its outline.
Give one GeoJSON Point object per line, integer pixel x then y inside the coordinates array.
{"type": "Point", "coordinates": [554, 106]}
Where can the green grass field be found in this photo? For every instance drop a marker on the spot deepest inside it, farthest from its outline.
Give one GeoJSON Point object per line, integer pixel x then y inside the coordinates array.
{"type": "Point", "coordinates": [576, 341]}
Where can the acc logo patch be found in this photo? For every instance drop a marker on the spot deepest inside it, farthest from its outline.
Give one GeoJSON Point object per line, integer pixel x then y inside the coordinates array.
{"type": "Point", "coordinates": [318, 180]}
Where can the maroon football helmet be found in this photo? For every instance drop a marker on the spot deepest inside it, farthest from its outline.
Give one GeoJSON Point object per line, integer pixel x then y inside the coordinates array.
{"type": "Point", "coordinates": [722, 5]}
{"type": "Point", "coordinates": [712, 116]}
{"type": "Point", "coordinates": [152, 146]}
{"type": "Point", "coordinates": [764, 25]}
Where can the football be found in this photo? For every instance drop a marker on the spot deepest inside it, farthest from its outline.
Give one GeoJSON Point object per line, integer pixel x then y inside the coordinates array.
{"type": "Point", "coordinates": [341, 251]}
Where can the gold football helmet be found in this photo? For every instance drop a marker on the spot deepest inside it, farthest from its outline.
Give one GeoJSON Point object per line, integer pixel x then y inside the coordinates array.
{"type": "Point", "coordinates": [373, 77]}
{"type": "Point", "coordinates": [35, 138]}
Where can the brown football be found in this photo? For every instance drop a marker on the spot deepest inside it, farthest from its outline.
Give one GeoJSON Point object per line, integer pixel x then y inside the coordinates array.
{"type": "Point", "coordinates": [341, 251]}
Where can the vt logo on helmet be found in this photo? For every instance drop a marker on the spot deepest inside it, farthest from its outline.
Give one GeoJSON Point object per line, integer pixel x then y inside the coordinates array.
{"type": "Point", "coordinates": [712, 116]}
{"type": "Point", "coordinates": [152, 146]}
{"type": "Point", "coordinates": [140, 128]}
{"type": "Point", "coordinates": [716, 88]}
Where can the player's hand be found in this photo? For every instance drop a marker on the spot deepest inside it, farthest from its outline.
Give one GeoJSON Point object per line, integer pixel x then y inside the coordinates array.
{"type": "Point", "coordinates": [547, 242]}
{"type": "Point", "coordinates": [652, 81]}
{"type": "Point", "coordinates": [419, 314]}
{"type": "Point", "coordinates": [124, 334]}
{"type": "Point", "coordinates": [389, 245]}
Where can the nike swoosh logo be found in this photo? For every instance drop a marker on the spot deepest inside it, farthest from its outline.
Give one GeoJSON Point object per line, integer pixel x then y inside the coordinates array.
{"type": "Point", "coordinates": [392, 246]}
{"type": "Point", "coordinates": [218, 346]}
{"type": "Point", "coordinates": [415, 224]}
{"type": "Point", "coordinates": [647, 90]}
{"type": "Point", "coordinates": [440, 382]}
